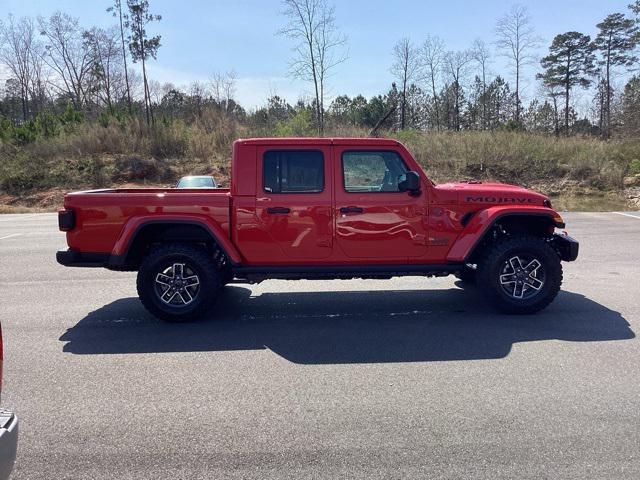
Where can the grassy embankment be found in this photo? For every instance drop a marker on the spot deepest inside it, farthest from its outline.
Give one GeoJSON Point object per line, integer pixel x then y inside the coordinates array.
{"type": "Point", "coordinates": [580, 173]}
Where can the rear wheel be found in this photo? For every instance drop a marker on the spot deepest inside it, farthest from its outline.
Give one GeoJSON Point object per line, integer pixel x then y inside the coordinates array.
{"type": "Point", "coordinates": [178, 282]}
{"type": "Point", "coordinates": [521, 274]}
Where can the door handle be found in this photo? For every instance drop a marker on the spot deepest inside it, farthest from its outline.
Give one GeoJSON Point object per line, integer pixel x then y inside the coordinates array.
{"type": "Point", "coordinates": [351, 210]}
{"type": "Point", "coordinates": [278, 210]}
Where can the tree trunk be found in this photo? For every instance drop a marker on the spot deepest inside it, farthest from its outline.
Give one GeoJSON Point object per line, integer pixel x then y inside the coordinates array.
{"type": "Point", "coordinates": [25, 103]}
{"type": "Point", "coordinates": [314, 73]}
{"type": "Point", "coordinates": [322, 105]}
{"type": "Point", "coordinates": [147, 99]}
{"type": "Point", "coordinates": [403, 105]}
{"type": "Point", "coordinates": [607, 128]}
{"type": "Point", "coordinates": [146, 92]}
{"type": "Point", "coordinates": [484, 99]}
{"type": "Point", "coordinates": [556, 117]}
{"type": "Point", "coordinates": [456, 108]}
{"type": "Point", "coordinates": [517, 90]}
{"type": "Point", "coordinates": [566, 96]}
{"type": "Point", "coordinates": [318, 119]}
{"type": "Point", "coordinates": [435, 99]}
{"type": "Point", "coordinates": [124, 58]}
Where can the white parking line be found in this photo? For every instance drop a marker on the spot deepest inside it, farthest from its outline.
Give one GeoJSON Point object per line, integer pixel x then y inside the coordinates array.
{"type": "Point", "coordinates": [627, 215]}
{"type": "Point", "coordinates": [8, 217]}
{"type": "Point", "coordinates": [9, 236]}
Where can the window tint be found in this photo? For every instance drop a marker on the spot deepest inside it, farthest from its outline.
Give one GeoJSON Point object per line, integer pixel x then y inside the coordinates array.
{"type": "Point", "coordinates": [288, 171]}
{"type": "Point", "coordinates": [370, 171]}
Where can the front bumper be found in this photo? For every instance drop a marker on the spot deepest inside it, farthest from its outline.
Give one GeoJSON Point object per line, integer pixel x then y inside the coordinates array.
{"type": "Point", "coordinates": [8, 442]}
{"type": "Point", "coordinates": [566, 246]}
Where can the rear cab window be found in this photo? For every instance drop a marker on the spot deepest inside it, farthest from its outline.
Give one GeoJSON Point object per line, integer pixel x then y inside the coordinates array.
{"type": "Point", "coordinates": [293, 171]}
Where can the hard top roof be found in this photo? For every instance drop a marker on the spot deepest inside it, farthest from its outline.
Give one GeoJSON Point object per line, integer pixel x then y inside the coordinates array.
{"type": "Point", "coordinates": [320, 141]}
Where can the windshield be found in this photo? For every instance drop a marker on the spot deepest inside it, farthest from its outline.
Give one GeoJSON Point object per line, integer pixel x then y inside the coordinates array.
{"type": "Point", "coordinates": [197, 182]}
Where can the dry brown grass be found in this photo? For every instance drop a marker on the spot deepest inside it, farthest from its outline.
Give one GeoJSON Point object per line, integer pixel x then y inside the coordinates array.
{"type": "Point", "coordinates": [524, 158]}
{"type": "Point", "coordinates": [96, 156]}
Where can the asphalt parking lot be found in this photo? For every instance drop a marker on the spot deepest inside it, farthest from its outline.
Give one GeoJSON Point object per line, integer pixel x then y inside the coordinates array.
{"type": "Point", "coordinates": [408, 378]}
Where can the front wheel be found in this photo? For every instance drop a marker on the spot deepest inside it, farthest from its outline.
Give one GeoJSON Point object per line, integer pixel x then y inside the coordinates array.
{"type": "Point", "coordinates": [521, 274]}
{"type": "Point", "coordinates": [178, 282]}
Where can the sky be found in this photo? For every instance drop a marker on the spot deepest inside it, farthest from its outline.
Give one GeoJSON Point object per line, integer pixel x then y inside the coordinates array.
{"type": "Point", "coordinates": [200, 37]}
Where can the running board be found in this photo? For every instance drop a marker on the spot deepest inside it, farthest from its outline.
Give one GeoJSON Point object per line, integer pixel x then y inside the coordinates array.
{"type": "Point", "coordinates": [259, 273]}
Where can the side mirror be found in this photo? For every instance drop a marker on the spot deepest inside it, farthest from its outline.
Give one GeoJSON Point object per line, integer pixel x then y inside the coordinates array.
{"type": "Point", "coordinates": [409, 182]}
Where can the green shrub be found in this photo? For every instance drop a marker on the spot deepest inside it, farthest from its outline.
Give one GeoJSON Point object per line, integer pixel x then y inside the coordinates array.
{"type": "Point", "coordinates": [300, 125]}
{"type": "Point", "coordinates": [6, 129]}
{"type": "Point", "coordinates": [168, 141]}
{"type": "Point", "coordinates": [47, 124]}
{"type": "Point", "coordinates": [71, 116]}
{"type": "Point", "coordinates": [25, 133]}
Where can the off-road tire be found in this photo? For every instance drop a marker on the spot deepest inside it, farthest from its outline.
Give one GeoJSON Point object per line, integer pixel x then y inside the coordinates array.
{"type": "Point", "coordinates": [467, 276]}
{"type": "Point", "coordinates": [491, 267]}
{"type": "Point", "coordinates": [198, 261]}
{"type": "Point", "coordinates": [226, 276]}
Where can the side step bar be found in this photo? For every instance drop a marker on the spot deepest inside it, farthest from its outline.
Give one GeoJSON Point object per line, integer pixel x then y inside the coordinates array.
{"type": "Point", "coordinates": [257, 274]}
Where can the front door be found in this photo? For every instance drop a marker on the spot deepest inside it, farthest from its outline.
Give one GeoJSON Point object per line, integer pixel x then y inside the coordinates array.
{"type": "Point", "coordinates": [293, 201]}
{"type": "Point", "coordinates": [374, 220]}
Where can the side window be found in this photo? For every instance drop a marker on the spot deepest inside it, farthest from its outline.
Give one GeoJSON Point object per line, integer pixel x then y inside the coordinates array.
{"type": "Point", "coordinates": [293, 171]}
{"type": "Point", "coordinates": [372, 171]}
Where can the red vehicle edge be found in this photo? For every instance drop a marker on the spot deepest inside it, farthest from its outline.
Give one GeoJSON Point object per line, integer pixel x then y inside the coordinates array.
{"type": "Point", "coordinates": [8, 431]}
{"type": "Point", "coordinates": [320, 208]}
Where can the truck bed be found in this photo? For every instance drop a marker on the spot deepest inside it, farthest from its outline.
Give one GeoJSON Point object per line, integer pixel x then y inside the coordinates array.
{"type": "Point", "coordinates": [102, 216]}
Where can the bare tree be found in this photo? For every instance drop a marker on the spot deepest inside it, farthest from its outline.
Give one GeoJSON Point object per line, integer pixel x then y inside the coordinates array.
{"type": "Point", "coordinates": [68, 56]}
{"type": "Point", "coordinates": [105, 59]}
{"type": "Point", "coordinates": [39, 79]}
{"type": "Point", "coordinates": [20, 52]}
{"type": "Point", "coordinates": [516, 41]}
{"type": "Point", "coordinates": [405, 68]}
{"type": "Point", "coordinates": [482, 56]}
{"type": "Point", "coordinates": [123, 18]}
{"type": "Point", "coordinates": [456, 67]}
{"type": "Point", "coordinates": [223, 88]}
{"type": "Point", "coordinates": [431, 57]}
{"type": "Point", "coordinates": [158, 90]}
{"type": "Point", "coordinates": [319, 46]}
{"type": "Point", "coordinates": [136, 84]}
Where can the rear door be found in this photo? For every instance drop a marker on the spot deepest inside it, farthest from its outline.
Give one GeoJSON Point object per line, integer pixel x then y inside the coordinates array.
{"type": "Point", "coordinates": [294, 200]}
{"type": "Point", "coordinates": [373, 219]}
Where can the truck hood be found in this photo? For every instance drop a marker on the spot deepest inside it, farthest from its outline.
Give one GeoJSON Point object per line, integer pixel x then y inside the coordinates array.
{"type": "Point", "coordinates": [475, 193]}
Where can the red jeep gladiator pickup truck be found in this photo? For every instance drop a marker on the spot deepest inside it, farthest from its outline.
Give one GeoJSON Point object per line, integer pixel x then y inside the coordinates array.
{"type": "Point", "coordinates": [309, 208]}
{"type": "Point", "coordinates": [8, 433]}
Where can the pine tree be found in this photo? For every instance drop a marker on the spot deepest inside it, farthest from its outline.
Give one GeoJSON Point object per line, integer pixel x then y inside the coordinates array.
{"type": "Point", "coordinates": [141, 46]}
{"type": "Point", "coordinates": [615, 43]}
{"type": "Point", "coordinates": [631, 107]}
{"type": "Point", "coordinates": [570, 63]}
